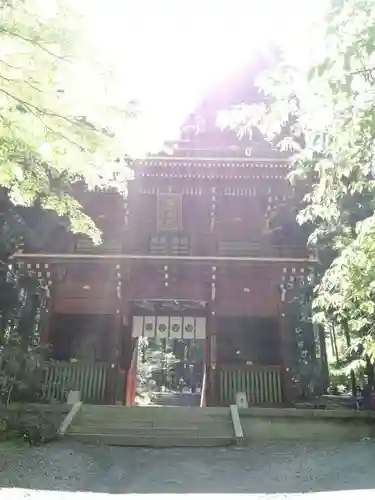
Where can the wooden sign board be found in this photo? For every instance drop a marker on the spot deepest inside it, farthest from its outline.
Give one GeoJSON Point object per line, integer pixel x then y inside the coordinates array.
{"type": "Point", "coordinates": [169, 212]}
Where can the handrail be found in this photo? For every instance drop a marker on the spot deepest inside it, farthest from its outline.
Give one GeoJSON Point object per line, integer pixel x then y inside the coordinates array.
{"type": "Point", "coordinates": [204, 387]}
{"type": "Point", "coordinates": [69, 418]}
{"type": "Point", "coordinates": [131, 381]}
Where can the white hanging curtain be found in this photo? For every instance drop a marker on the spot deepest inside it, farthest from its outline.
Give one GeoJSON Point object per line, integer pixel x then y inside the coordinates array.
{"type": "Point", "coordinates": [189, 327]}
{"type": "Point", "coordinates": [137, 326]}
{"type": "Point", "coordinates": [162, 327]}
{"type": "Point", "coordinates": [149, 326]}
{"type": "Point", "coordinates": [175, 327]}
{"type": "Point", "coordinates": [200, 328]}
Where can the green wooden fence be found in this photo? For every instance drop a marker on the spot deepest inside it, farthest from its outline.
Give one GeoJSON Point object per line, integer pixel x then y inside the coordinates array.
{"type": "Point", "coordinates": [262, 385]}
{"type": "Point", "coordinates": [62, 377]}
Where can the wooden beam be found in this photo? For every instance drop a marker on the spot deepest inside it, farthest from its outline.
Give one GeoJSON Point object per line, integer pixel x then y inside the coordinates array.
{"type": "Point", "coordinates": [158, 258]}
{"type": "Point", "coordinates": [205, 159]}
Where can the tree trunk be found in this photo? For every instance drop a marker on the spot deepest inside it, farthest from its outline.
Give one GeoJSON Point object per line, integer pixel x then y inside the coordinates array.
{"type": "Point", "coordinates": [369, 370]}
{"type": "Point", "coordinates": [353, 381]}
{"type": "Point", "coordinates": [323, 358]}
{"type": "Point", "coordinates": [335, 351]}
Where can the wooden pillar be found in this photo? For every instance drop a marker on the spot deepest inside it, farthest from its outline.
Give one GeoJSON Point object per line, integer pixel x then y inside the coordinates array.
{"type": "Point", "coordinates": [45, 333]}
{"type": "Point", "coordinates": [127, 344]}
{"type": "Point", "coordinates": [213, 397]}
{"type": "Point", "coordinates": [284, 335]}
{"type": "Point", "coordinates": [112, 375]}
{"type": "Point", "coordinates": [114, 339]}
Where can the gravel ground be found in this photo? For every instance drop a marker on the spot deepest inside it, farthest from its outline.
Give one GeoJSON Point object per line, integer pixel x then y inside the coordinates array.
{"type": "Point", "coordinates": [273, 468]}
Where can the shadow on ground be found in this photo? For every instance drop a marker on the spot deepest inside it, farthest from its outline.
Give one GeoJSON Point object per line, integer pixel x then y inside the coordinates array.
{"type": "Point", "coordinates": [273, 468]}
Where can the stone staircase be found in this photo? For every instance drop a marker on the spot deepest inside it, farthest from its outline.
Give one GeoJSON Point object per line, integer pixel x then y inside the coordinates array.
{"type": "Point", "coordinates": [153, 426]}
{"type": "Point", "coordinates": [176, 399]}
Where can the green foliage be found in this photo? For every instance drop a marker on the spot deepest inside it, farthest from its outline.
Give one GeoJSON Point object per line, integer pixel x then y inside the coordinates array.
{"type": "Point", "coordinates": [320, 107]}
{"type": "Point", "coordinates": [59, 125]}
{"type": "Point", "coordinates": [22, 357]}
{"type": "Point", "coordinates": [34, 427]}
{"type": "Point", "coordinates": [23, 304]}
{"type": "Point", "coordinates": [57, 121]}
{"type": "Point", "coordinates": [157, 362]}
{"type": "Point", "coordinates": [307, 349]}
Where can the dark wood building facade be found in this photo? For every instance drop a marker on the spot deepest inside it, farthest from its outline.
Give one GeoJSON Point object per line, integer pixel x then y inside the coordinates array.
{"type": "Point", "coordinates": [192, 252]}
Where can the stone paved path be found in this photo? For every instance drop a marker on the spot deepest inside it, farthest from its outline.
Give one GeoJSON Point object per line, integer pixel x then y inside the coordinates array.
{"type": "Point", "coordinates": [270, 469]}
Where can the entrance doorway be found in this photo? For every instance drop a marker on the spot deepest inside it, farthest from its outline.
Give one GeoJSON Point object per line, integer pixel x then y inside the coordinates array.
{"type": "Point", "coordinates": [170, 371]}
{"type": "Point", "coordinates": [170, 336]}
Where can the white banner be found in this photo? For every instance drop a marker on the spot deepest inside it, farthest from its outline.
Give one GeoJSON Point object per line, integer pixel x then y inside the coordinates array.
{"type": "Point", "coordinates": [175, 327]}
{"type": "Point", "coordinates": [189, 327]}
{"type": "Point", "coordinates": [200, 328]}
{"type": "Point", "coordinates": [137, 326]}
{"type": "Point", "coordinates": [162, 327]}
{"type": "Point", "coordinates": [149, 326]}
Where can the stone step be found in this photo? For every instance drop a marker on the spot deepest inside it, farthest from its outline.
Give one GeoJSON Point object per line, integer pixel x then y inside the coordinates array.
{"type": "Point", "coordinates": [153, 431]}
{"type": "Point", "coordinates": [151, 422]}
{"type": "Point", "coordinates": [153, 425]}
{"type": "Point", "coordinates": [209, 431]}
{"type": "Point", "coordinates": [179, 400]}
{"type": "Point", "coordinates": [159, 425]}
{"type": "Point", "coordinates": [146, 411]}
{"type": "Point", "coordinates": [142, 410]}
{"type": "Point", "coordinates": [152, 418]}
{"type": "Point", "coordinates": [152, 441]}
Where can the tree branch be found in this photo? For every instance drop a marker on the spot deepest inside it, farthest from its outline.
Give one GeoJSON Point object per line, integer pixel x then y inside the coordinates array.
{"type": "Point", "coordinates": [33, 42]}
{"type": "Point", "coordinates": [34, 110]}
{"type": "Point", "coordinates": [361, 71]}
{"type": "Point", "coordinates": [14, 80]}
{"type": "Point", "coordinates": [43, 111]}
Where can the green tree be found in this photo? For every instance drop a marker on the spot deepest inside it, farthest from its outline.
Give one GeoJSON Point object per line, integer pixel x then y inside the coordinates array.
{"type": "Point", "coordinates": [320, 108]}
{"type": "Point", "coordinates": [58, 123]}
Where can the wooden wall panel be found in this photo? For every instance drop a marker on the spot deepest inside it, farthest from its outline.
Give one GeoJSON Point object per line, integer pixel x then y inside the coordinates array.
{"type": "Point", "coordinates": [85, 306]}
{"type": "Point", "coordinates": [242, 291]}
{"type": "Point", "coordinates": [92, 290]}
{"type": "Point", "coordinates": [196, 220]}
{"type": "Point", "coordinates": [239, 218]}
{"type": "Point", "coordinates": [142, 221]}
{"type": "Point", "coordinates": [183, 282]}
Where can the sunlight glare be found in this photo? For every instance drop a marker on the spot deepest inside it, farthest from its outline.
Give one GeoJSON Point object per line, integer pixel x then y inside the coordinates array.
{"type": "Point", "coordinates": [168, 52]}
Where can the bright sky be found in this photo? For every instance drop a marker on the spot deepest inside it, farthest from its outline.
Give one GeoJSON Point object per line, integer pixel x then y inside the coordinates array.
{"type": "Point", "coordinates": [168, 51]}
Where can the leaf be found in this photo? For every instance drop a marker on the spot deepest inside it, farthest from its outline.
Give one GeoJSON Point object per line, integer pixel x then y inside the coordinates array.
{"type": "Point", "coordinates": [327, 89]}
{"type": "Point", "coordinates": [51, 127]}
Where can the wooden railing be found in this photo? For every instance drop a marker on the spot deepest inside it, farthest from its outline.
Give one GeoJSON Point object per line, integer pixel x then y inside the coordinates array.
{"type": "Point", "coordinates": [131, 380]}
{"type": "Point", "coordinates": [261, 384]}
{"type": "Point", "coordinates": [63, 376]}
